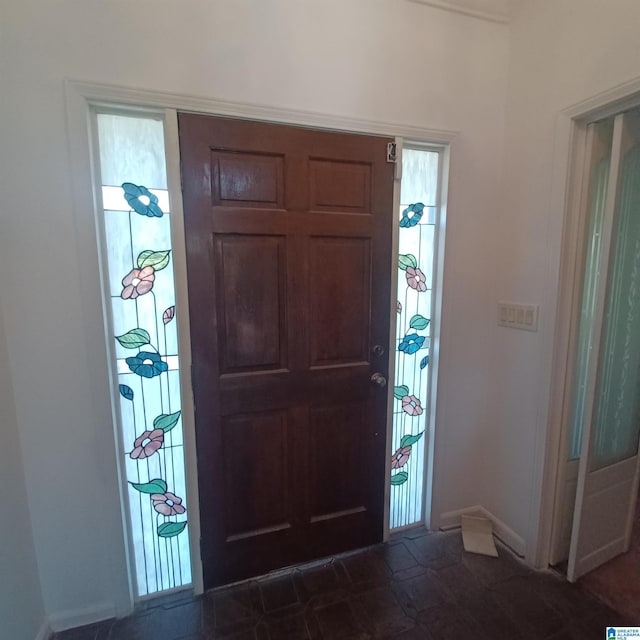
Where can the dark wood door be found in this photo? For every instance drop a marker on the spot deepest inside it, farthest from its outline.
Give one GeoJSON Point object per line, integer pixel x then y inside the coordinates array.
{"type": "Point", "coordinates": [288, 252]}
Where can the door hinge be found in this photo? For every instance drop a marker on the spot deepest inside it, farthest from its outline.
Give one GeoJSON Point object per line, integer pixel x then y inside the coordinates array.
{"type": "Point", "coordinates": [392, 152]}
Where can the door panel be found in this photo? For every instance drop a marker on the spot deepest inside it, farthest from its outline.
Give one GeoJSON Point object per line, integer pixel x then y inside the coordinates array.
{"type": "Point", "coordinates": [288, 254]}
{"type": "Point", "coordinates": [335, 464]}
{"type": "Point", "coordinates": [252, 310]}
{"type": "Point", "coordinates": [247, 180]}
{"type": "Point", "coordinates": [339, 300]}
{"type": "Point", "coordinates": [340, 186]}
{"type": "Point", "coordinates": [608, 473]}
{"type": "Point", "coordinates": [258, 498]}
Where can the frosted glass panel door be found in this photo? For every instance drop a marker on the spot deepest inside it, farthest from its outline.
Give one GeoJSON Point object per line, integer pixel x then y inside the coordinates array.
{"type": "Point", "coordinates": [599, 138]}
{"type": "Point", "coordinates": [417, 222]}
{"type": "Point", "coordinates": [602, 138]}
{"type": "Point", "coordinates": [608, 475]}
{"type": "Point", "coordinates": [617, 402]}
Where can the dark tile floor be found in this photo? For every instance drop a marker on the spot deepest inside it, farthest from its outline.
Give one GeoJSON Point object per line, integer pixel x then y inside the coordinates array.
{"type": "Point", "coordinates": [418, 586]}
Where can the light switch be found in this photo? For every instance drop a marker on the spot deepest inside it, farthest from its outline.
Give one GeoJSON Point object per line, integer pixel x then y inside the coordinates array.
{"type": "Point", "coordinates": [518, 316]}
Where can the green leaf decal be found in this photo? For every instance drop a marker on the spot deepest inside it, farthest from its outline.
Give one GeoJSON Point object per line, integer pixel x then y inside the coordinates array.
{"type": "Point", "coordinates": [155, 486]}
{"type": "Point", "coordinates": [126, 391]}
{"type": "Point", "coordinates": [166, 421]}
{"type": "Point", "coordinates": [134, 339]}
{"type": "Point", "coordinates": [171, 529]}
{"type": "Point", "coordinates": [400, 392]}
{"type": "Point", "coordinates": [399, 478]}
{"type": "Point", "coordinates": [156, 259]}
{"type": "Point", "coordinates": [407, 260]}
{"type": "Point", "coordinates": [409, 440]}
{"type": "Point", "coordinates": [419, 322]}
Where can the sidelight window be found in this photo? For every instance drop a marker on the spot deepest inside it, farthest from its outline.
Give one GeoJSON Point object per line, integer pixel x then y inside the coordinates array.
{"type": "Point", "coordinates": [417, 220]}
{"type": "Point", "coordinates": [139, 291]}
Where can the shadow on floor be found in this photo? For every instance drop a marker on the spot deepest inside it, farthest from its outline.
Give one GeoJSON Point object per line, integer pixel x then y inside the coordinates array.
{"type": "Point", "coordinates": [420, 585]}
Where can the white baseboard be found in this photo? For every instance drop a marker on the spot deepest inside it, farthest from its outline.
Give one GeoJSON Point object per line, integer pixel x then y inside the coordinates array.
{"type": "Point", "coordinates": [44, 633]}
{"type": "Point", "coordinates": [451, 520]}
{"type": "Point", "coordinates": [80, 617]}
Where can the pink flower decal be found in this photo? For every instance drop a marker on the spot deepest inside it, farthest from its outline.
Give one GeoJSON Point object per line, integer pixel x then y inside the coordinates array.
{"type": "Point", "coordinates": [400, 457]}
{"type": "Point", "coordinates": [168, 504]}
{"type": "Point", "coordinates": [416, 279]}
{"type": "Point", "coordinates": [411, 405]}
{"type": "Point", "coordinates": [137, 282]}
{"type": "Point", "coordinates": [147, 444]}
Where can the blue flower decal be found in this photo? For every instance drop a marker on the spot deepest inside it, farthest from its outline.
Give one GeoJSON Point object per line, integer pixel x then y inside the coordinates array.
{"type": "Point", "coordinates": [411, 343]}
{"type": "Point", "coordinates": [147, 364]}
{"type": "Point", "coordinates": [411, 215]}
{"type": "Point", "coordinates": [141, 200]}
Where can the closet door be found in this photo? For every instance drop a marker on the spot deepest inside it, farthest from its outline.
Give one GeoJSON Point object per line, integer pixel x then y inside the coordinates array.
{"type": "Point", "coordinates": [608, 403]}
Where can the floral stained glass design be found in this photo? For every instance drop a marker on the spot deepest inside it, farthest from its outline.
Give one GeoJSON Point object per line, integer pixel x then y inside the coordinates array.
{"type": "Point", "coordinates": [416, 220]}
{"type": "Point", "coordinates": [142, 296]}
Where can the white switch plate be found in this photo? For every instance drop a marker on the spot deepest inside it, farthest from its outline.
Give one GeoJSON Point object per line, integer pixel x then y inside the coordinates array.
{"type": "Point", "coordinates": [518, 316]}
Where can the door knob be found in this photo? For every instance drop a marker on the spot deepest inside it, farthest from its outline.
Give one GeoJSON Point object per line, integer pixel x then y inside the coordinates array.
{"type": "Point", "coordinates": [379, 379]}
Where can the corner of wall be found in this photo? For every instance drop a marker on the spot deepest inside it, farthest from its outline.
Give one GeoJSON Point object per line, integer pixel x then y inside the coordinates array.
{"type": "Point", "coordinates": [21, 602]}
{"type": "Point", "coordinates": [451, 520]}
{"type": "Point", "coordinates": [45, 632]}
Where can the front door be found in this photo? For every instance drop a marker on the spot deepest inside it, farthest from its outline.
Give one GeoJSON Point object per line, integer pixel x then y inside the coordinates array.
{"type": "Point", "coordinates": [289, 238]}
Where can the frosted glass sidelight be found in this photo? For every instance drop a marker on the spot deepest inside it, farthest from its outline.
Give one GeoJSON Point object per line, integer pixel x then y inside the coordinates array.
{"type": "Point", "coordinates": [616, 426]}
{"type": "Point", "coordinates": [126, 154]}
{"type": "Point", "coordinates": [601, 161]}
{"type": "Point", "coordinates": [141, 295]}
{"type": "Point", "coordinates": [417, 216]}
{"type": "Point", "coordinates": [420, 178]}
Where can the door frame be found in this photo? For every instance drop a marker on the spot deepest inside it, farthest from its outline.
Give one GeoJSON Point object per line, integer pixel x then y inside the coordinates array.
{"type": "Point", "coordinates": [82, 99]}
{"type": "Point", "coordinates": [566, 194]}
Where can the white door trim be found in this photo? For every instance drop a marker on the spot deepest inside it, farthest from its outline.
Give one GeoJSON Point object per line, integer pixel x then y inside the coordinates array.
{"type": "Point", "coordinates": [80, 98]}
{"type": "Point", "coordinates": [391, 372]}
{"type": "Point", "coordinates": [565, 190]}
{"type": "Point", "coordinates": [116, 95]}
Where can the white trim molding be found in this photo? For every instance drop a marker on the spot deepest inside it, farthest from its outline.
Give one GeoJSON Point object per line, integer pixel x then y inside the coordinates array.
{"type": "Point", "coordinates": [80, 617]}
{"type": "Point", "coordinates": [506, 535]}
{"type": "Point", "coordinates": [608, 103]}
{"type": "Point", "coordinates": [490, 10]}
{"type": "Point", "coordinates": [126, 96]}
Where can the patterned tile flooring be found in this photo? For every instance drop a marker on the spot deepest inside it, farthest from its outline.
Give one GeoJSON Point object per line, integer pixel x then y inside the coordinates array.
{"type": "Point", "coordinates": [420, 585]}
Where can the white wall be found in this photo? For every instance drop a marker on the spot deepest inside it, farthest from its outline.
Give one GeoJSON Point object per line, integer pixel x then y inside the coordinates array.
{"type": "Point", "coordinates": [21, 608]}
{"type": "Point", "coordinates": [377, 59]}
{"type": "Point", "coordinates": [562, 52]}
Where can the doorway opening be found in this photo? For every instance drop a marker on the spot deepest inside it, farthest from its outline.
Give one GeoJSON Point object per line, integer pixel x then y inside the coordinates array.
{"type": "Point", "coordinates": [150, 363]}
{"type": "Point", "coordinates": [598, 481]}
